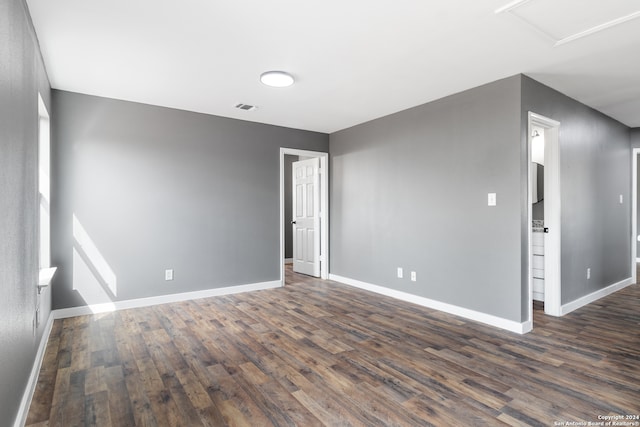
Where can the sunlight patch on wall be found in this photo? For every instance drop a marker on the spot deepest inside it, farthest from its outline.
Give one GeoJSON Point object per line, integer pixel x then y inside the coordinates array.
{"type": "Point", "coordinates": [93, 278]}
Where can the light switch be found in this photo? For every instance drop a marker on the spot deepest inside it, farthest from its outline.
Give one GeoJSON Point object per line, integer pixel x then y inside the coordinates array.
{"type": "Point", "coordinates": [621, 199]}
{"type": "Point", "coordinates": [400, 273]}
{"type": "Point", "coordinates": [491, 199]}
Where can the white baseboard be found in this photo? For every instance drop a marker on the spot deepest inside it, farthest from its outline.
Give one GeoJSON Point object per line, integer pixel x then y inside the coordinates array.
{"type": "Point", "coordinates": [477, 316]}
{"type": "Point", "coordinates": [587, 299]}
{"type": "Point", "coordinates": [163, 299]}
{"type": "Point", "coordinates": [25, 403]}
{"type": "Point", "coordinates": [288, 260]}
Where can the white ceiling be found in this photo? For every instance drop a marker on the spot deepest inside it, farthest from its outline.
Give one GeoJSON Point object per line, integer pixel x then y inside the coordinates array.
{"type": "Point", "coordinates": [353, 60]}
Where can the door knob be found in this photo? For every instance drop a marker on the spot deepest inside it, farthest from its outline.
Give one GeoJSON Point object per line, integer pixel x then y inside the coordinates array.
{"type": "Point", "coordinates": [546, 229]}
{"type": "Point", "coordinates": [293, 222]}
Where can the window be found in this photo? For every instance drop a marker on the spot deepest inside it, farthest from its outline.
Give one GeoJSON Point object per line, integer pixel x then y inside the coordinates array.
{"type": "Point", "coordinates": [44, 161]}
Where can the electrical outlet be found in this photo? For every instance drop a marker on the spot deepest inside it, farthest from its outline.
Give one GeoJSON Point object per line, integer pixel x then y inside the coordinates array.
{"type": "Point", "coordinates": [492, 199]}
{"type": "Point", "coordinates": [400, 273]}
{"type": "Point", "coordinates": [168, 274]}
{"type": "Point", "coordinates": [413, 276]}
{"type": "Point", "coordinates": [588, 273]}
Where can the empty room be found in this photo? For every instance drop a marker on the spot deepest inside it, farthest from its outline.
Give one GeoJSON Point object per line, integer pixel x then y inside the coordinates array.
{"type": "Point", "coordinates": [286, 213]}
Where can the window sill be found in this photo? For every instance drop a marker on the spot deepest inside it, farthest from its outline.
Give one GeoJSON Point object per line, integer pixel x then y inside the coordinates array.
{"type": "Point", "coordinates": [45, 277]}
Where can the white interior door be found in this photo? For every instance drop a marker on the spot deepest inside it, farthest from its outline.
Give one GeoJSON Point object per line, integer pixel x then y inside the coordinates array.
{"type": "Point", "coordinates": [552, 221]}
{"type": "Point", "coordinates": [306, 217]}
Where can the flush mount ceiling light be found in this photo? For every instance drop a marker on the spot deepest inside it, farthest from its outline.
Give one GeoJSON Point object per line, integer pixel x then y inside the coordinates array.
{"type": "Point", "coordinates": [276, 78]}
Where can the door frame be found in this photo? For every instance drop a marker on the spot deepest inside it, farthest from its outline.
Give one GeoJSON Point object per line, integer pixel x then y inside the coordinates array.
{"type": "Point", "coordinates": [324, 207]}
{"type": "Point", "coordinates": [634, 214]}
{"type": "Point", "coordinates": [552, 241]}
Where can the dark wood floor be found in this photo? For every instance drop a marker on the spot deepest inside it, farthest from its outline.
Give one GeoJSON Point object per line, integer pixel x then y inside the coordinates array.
{"type": "Point", "coordinates": [320, 353]}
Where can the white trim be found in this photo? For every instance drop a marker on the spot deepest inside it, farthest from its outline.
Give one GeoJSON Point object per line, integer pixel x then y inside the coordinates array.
{"type": "Point", "coordinates": [163, 299]}
{"type": "Point", "coordinates": [597, 28]}
{"type": "Point", "coordinates": [477, 316]}
{"type": "Point", "coordinates": [27, 396]}
{"type": "Point", "coordinates": [529, 295]}
{"type": "Point", "coordinates": [324, 203]}
{"type": "Point", "coordinates": [634, 213]}
{"type": "Point", "coordinates": [588, 299]}
{"type": "Point", "coordinates": [510, 6]}
{"type": "Point", "coordinates": [288, 260]}
{"type": "Point", "coordinates": [45, 277]}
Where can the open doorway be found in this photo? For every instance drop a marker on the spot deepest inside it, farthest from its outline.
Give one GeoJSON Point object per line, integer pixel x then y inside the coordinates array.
{"type": "Point", "coordinates": [544, 224]}
{"type": "Point", "coordinates": [288, 156]}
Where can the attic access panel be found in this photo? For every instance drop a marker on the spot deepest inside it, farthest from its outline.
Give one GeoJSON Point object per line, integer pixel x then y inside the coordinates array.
{"type": "Point", "coordinates": [568, 20]}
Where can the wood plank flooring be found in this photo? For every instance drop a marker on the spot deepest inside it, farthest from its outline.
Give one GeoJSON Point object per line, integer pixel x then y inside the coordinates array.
{"type": "Point", "coordinates": [320, 353]}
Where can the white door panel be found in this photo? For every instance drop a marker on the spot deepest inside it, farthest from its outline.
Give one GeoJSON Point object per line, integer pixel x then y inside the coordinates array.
{"type": "Point", "coordinates": [306, 217]}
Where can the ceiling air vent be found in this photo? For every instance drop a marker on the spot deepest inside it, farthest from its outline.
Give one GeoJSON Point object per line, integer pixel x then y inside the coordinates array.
{"type": "Point", "coordinates": [246, 107]}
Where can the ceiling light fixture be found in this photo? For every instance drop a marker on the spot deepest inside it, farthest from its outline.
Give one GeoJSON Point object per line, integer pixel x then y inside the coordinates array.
{"type": "Point", "coordinates": [276, 78]}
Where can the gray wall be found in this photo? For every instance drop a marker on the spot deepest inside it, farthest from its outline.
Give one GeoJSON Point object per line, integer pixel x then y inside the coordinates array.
{"type": "Point", "coordinates": [594, 171]}
{"type": "Point", "coordinates": [22, 75]}
{"type": "Point", "coordinates": [155, 188]}
{"type": "Point", "coordinates": [410, 190]}
{"type": "Point", "coordinates": [288, 209]}
{"type": "Point", "coordinates": [635, 137]}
